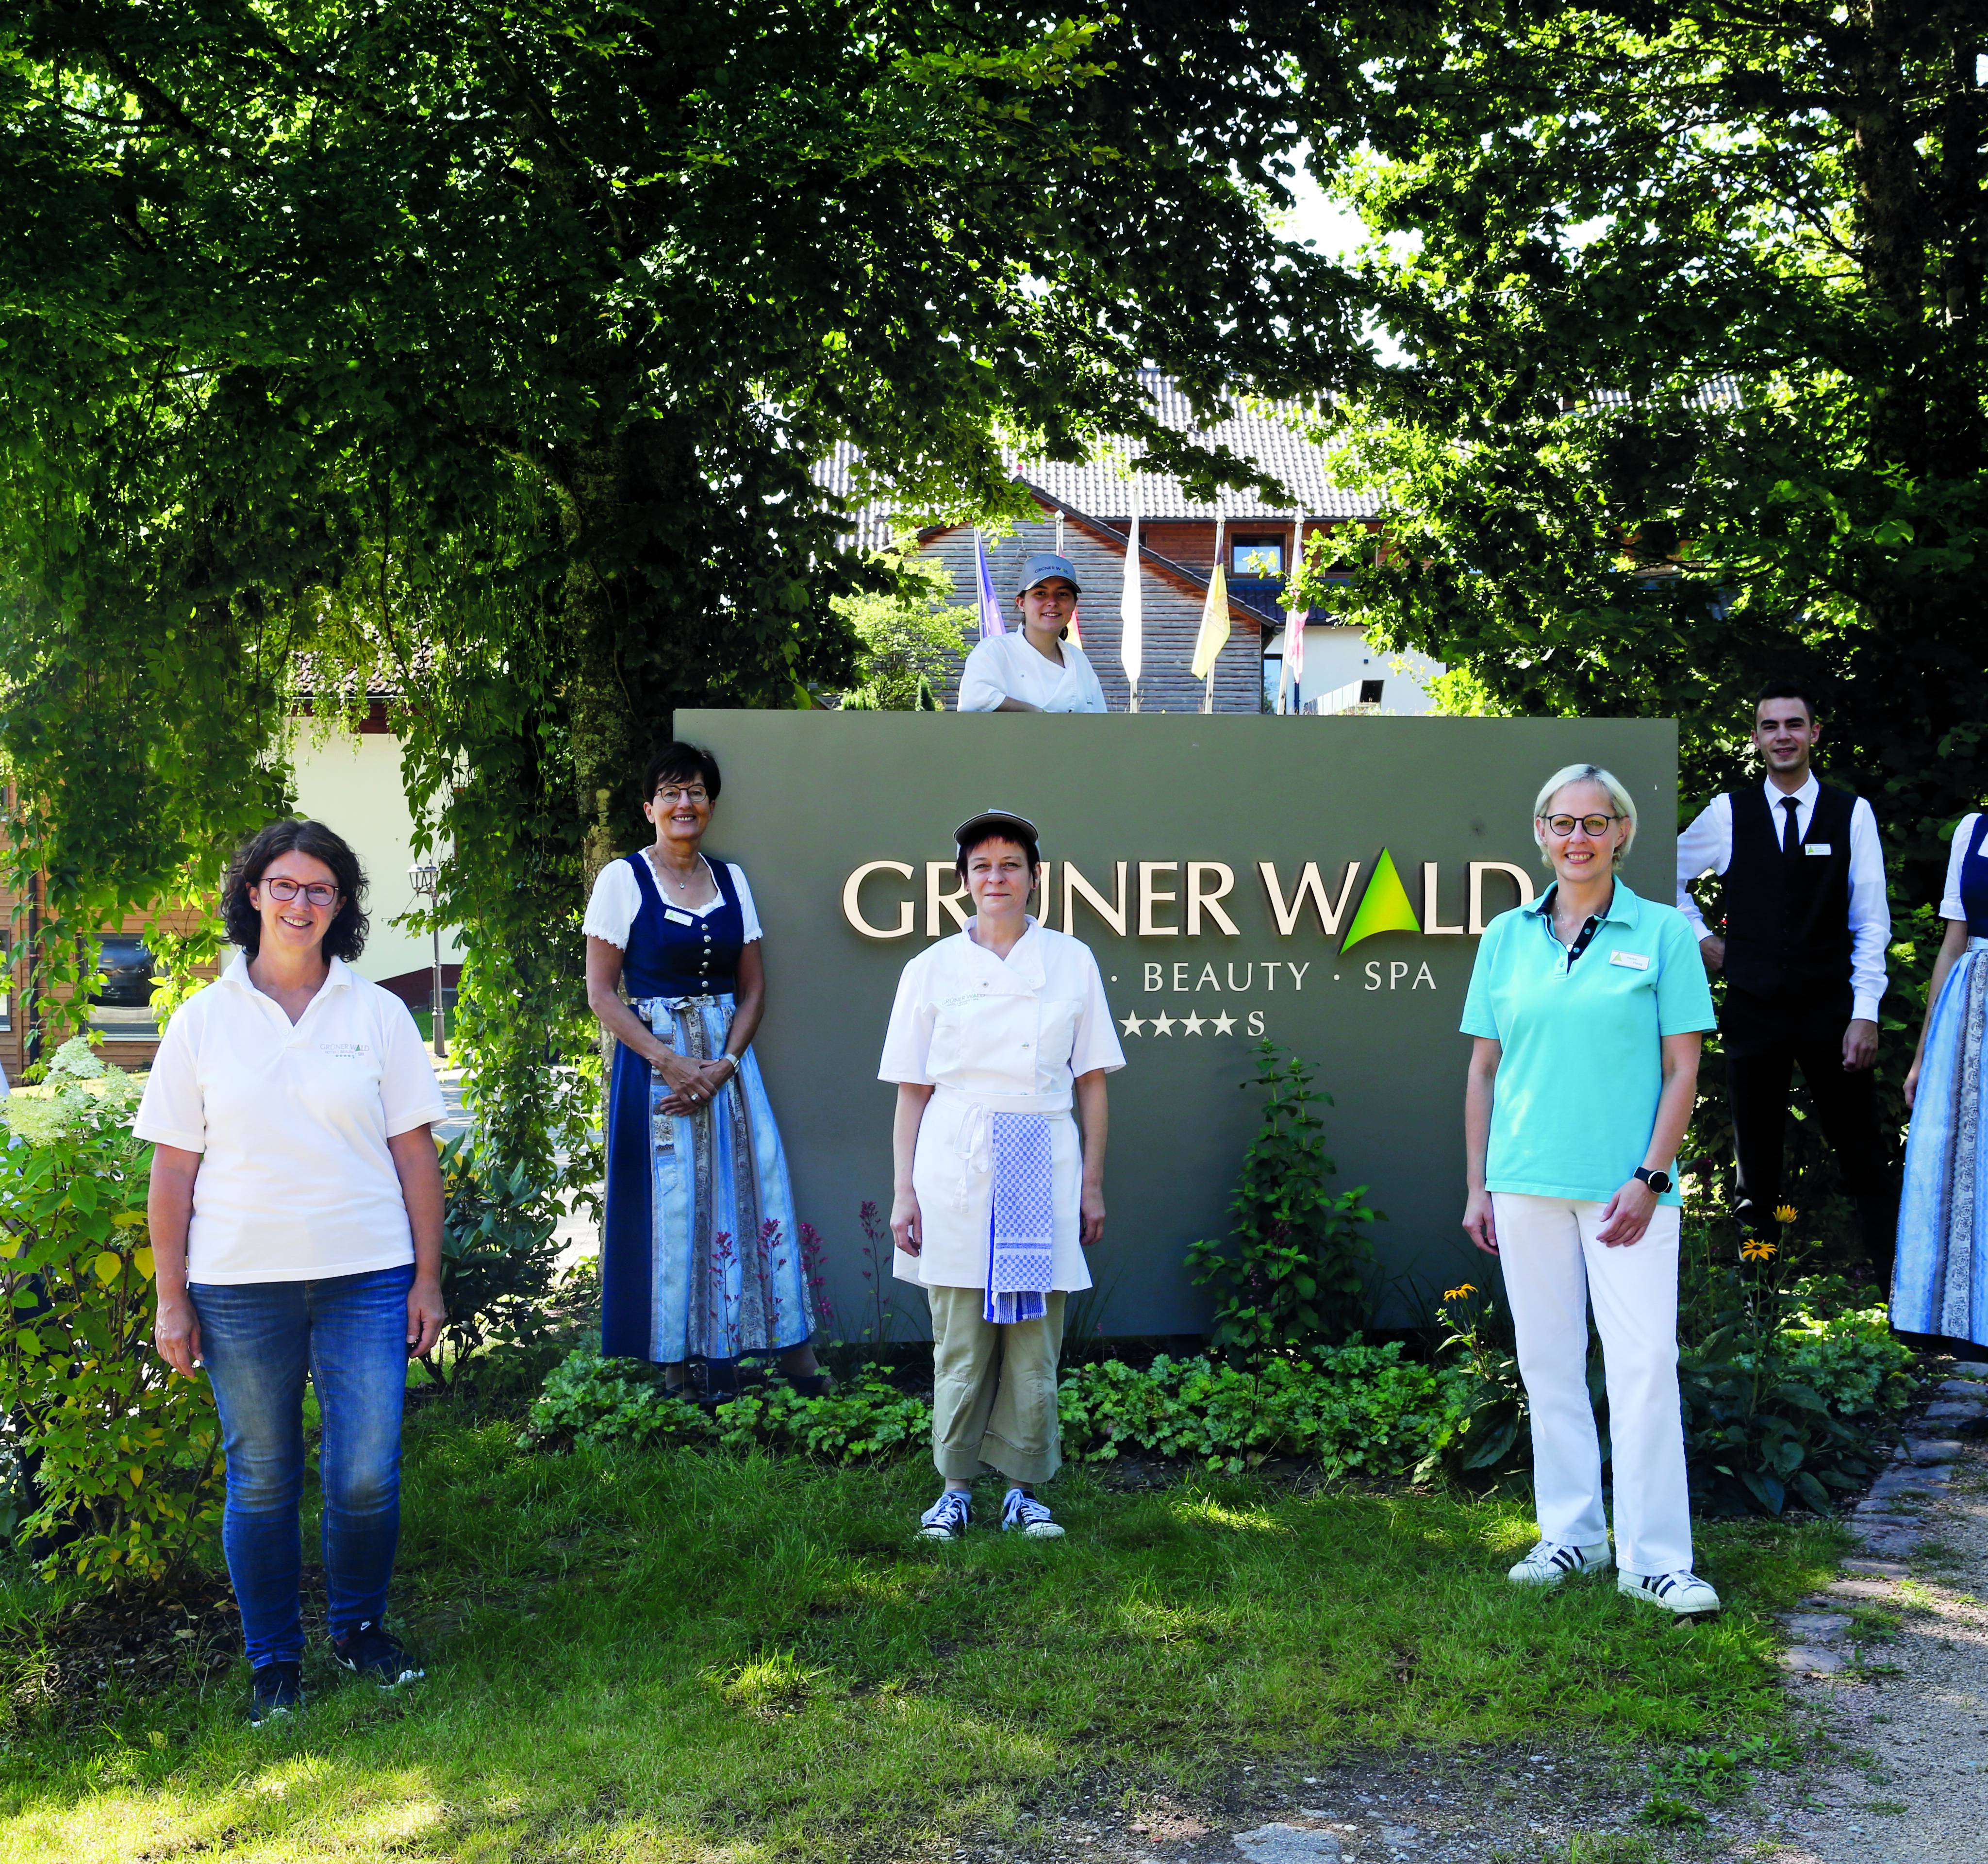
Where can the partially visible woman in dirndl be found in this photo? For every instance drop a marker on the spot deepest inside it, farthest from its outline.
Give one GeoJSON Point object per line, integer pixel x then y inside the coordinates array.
{"type": "Point", "coordinates": [1941, 1284]}
{"type": "Point", "coordinates": [700, 1257]}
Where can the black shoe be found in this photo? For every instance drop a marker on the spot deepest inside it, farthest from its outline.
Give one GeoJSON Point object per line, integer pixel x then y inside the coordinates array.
{"type": "Point", "coordinates": [810, 1385]}
{"type": "Point", "coordinates": [279, 1689]}
{"type": "Point", "coordinates": [370, 1653]}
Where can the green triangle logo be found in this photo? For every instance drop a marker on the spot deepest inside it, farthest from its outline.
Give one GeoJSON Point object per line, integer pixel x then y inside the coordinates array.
{"type": "Point", "coordinates": [1383, 907]}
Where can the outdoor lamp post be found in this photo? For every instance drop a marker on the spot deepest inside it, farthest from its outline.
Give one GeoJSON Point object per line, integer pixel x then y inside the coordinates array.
{"type": "Point", "coordinates": [425, 877]}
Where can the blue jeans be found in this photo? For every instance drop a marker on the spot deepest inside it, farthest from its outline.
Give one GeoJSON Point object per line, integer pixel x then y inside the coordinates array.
{"type": "Point", "coordinates": [259, 1339]}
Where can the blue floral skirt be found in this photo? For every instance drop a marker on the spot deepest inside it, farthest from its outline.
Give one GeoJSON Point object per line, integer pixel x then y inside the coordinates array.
{"type": "Point", "coordinates": [702, 1257]}
{"type": "Point", "coordinates": [1941, 1284]}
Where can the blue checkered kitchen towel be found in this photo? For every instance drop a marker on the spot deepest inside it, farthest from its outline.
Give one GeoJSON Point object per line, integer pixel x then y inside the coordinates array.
{"type": "Point", "coordinates": [1021, 1242]}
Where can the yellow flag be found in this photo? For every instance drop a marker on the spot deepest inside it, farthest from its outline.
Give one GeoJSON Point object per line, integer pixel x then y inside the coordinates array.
{"type": "Point", "coordinates": [1214, 635]}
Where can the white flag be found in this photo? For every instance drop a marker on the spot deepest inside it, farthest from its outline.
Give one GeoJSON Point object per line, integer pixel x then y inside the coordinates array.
{"type": "Point", "coordinates": [1294, 622]}
{"type": "Point", "coordinates": [1131, 617]}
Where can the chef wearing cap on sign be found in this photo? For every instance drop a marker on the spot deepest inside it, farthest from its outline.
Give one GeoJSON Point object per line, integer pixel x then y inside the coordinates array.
{"type": "Point", "coordinates": [1036, 670]}
{"type": "Point", "coordinates": [994, 1033]}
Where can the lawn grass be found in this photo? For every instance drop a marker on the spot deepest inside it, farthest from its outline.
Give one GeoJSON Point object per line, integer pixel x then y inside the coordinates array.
{"type": "Point", "coordinates": [681, 1656]}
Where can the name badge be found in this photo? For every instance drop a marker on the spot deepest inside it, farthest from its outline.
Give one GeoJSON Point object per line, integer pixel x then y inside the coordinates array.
{"type": "Point", "coordinates": [677, 918]}
{"type": "Point", "coordinates": [1815, 847]}
{"type": "Point", "coordinates": [1631, 961]}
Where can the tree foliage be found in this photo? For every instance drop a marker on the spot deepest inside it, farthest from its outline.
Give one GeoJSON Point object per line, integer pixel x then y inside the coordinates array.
{"type": "Point", "coordinates": [908, 639]}
{"type": "Point", "coordinates": [493, 350]}
{"type": "Point", "coordinates": [1689, 298]}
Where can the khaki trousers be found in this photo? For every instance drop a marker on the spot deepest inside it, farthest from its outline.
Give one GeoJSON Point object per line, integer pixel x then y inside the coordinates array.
{"type": "Point", "coordinates": [994, 1389]}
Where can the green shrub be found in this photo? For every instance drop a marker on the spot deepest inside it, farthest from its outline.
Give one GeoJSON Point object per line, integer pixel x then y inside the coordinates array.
{"type": "Point", "coordinates": [120, 1461]}
{"type": "Point", "coordinates": [591, 1400]}
{"type": "Point", "coordinates": [1292, 1274]}
{"type": "Point", "coordinates": [1353, 1410]}
{"type": "Point", "coordinates": [498, 1258]}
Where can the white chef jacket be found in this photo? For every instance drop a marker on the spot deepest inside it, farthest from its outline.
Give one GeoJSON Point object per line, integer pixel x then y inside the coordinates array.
{"type": "Point", "coordinates": [993, 1035]}
{"type": "Point", "coordinates": [1706, 847]}
{"type": "Point", "coordinates": [1006, 667]}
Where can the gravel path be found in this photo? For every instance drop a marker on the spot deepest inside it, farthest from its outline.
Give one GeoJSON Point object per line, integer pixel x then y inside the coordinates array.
{"type": "Point", "coordinates": [1894, 1658]}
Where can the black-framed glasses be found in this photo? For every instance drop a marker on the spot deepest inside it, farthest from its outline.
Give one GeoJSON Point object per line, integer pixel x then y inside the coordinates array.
{"type": "Point", "coordinates": [694, 795]}
{"type": "Point", "coordinates": [1595, 825]}
{"type": "Point", "coordinates": [283, 891]}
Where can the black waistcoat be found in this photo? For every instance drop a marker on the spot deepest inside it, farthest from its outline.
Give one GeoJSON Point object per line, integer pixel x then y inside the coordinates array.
{"type": "Point", "coordinates": [1788, 916]}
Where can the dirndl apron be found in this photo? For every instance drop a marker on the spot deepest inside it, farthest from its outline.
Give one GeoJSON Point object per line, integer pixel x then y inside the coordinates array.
{"type": "Point", "coordinates": [1940, 1285]}
{"type": "Point", "coordinates": [701, 1257]}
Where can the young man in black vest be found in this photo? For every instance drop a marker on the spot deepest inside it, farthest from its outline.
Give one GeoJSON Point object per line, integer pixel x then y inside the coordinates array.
{"type": "Point", "coordinates": [1806, 925]}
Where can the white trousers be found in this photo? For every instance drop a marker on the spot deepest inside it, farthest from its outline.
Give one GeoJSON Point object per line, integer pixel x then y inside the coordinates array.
{"type": "Point", "coordinates": [1553, 1268]}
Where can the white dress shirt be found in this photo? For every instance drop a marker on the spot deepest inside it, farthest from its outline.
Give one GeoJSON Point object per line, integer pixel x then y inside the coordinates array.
{"type": "Point", "coordinates": [995, 1035]}
{"type": "Point", "coordinates": [291, 1121]}
{"type": "Point", "coordinates": [1707, 847]}
{"type": "Point", "coordinates": [1006, 667]}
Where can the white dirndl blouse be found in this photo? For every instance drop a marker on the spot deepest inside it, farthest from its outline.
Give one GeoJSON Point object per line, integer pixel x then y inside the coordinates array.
{"type": "Point", "coordinates": [993, 1035]}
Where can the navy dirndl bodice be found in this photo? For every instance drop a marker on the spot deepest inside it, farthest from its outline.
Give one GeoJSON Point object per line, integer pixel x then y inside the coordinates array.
{"type": "Point", "coordinates": [1974, 880]}
{"type": "Point", "coordinates": [673, 952]}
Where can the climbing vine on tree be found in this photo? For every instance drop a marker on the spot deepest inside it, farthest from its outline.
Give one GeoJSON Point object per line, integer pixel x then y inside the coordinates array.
{"type": "Point", "coordinates": [493, 355]}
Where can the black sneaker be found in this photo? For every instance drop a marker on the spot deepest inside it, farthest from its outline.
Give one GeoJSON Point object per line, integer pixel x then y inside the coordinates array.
{"type": "Point", "coordinates": [370, 1653]}
{"type": "Point", "coordinates": [279, 1690]}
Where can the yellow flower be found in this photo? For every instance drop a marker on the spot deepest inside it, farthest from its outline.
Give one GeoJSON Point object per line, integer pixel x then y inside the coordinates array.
{"type": "Point", "coordinates": [1458, 1294]}
{"type": "Point", "coordinates": [1753, 1250]}
{"type": "Point", "coordinates": [1785, 1214]}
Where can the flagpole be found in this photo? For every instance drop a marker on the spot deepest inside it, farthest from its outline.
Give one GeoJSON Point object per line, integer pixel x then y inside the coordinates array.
{"type": "Point", "coordinates": [1207, 691]}
{"type": "Point", "coordinates": [1293, 670]}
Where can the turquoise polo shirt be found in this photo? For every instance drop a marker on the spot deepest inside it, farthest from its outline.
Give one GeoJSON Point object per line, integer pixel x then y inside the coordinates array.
{"type": "Point", "coordinates": [1578, 1085]}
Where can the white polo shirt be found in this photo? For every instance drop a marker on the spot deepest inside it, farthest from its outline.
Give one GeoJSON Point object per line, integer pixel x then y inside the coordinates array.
{"type": "Point", "coordinates": [295, 1182]}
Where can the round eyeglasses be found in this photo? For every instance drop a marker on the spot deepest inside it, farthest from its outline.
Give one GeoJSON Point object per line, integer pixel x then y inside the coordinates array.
{"type": "Point", "coordinates": [694, 795]}
{"type": "Point", "coordinates": [283, 891]}
{"type": "Point", "coordinates": [1595, 825]}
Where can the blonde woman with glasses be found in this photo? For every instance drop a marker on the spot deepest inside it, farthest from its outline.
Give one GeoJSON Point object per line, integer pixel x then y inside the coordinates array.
{"type": "Point", "coordinates": [1588, 1008]}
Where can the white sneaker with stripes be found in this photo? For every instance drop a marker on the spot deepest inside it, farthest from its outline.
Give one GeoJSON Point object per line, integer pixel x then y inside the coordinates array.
{"type": "Point", "coordinates": [1683, 1594]}
{"type": "Point", "coordinates": [1551, 1562]}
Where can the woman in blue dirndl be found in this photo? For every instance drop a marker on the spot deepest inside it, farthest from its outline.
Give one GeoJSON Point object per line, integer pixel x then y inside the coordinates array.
{"type": "Point", "coordinates": [1941, 1284]}
{"type": "Point", "coordinates": [701, 1257]}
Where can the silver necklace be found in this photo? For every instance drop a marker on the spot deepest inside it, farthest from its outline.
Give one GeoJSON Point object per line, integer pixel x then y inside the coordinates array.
{"type": "Point", "coordinates": [683, 886]}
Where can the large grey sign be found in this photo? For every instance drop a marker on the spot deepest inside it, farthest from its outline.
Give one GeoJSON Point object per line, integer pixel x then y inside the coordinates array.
{"type": "Point", "coordinates": [1315, 882]}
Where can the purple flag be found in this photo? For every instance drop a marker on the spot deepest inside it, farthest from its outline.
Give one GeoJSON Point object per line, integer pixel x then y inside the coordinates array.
{"type": "Point", "coordinates": [990, 607]}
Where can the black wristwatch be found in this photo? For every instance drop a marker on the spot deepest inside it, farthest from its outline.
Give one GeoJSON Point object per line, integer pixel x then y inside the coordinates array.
{"type": "Point", "coordinates": [1658, 1181]}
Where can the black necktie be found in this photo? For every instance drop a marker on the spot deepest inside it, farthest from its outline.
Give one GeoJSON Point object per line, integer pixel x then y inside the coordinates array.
{"type": "Point", "coordinates": [1791, 837]}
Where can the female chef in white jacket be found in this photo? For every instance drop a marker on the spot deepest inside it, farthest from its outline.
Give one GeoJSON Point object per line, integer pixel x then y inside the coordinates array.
{"type": "Point", "coordinates": [1035, 670]}
{"type": "Point", "coordinates": [996, 1199]}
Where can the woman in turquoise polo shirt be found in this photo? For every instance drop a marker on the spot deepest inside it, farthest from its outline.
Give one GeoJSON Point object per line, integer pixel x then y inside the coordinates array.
{"type": "Point", "coordinates": [1588, 1007]}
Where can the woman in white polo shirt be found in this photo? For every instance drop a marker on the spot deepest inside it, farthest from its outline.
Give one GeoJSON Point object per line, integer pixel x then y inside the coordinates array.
{"type": "Point", "coordinates": [1035, 669]}
{"type": "Point", "coordinates": [1588, 1007]}
{"type": "Point", "coordinates": [297, 1221]}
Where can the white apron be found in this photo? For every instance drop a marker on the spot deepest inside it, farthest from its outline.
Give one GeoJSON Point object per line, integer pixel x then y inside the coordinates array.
{"type": "Point", "coordinates": [993, 1035]}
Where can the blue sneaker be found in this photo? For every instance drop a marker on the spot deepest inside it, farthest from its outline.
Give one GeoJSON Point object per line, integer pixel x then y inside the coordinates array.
{"type": "Point", "coordinates": [947, 1518]}
{"type": "Point", "coordinates": [279, 1691]}
{"type": "Point", "coordinates": [1022, 1514]}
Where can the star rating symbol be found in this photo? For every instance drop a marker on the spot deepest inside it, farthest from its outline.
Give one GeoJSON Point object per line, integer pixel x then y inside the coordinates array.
{"type": "Point", "coordinates": [1163, 1024]}
{"type": "Point", "coordinates": [1131, 1024]}
{"type": "Point", "coordinates": [1224, 1023]}
{"type": "Point", "coordinates": [1192, 1025]}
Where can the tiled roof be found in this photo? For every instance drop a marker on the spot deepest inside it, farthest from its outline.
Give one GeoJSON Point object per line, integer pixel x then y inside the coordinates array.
{"type": "Point", "coordinates": [1271, 437]}
{"type": "Point", "coordinates": [383, 683]}
{"type": "Point", "coordinates": [1714, 391]}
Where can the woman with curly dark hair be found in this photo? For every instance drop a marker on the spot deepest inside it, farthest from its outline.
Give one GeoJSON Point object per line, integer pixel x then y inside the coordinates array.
{"type": "Point", "coordinates": [296, 1219]}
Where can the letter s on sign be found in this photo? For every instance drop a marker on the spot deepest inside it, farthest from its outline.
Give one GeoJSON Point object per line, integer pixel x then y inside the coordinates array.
{"type": "Point", "coordinates": [852, 909]}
